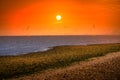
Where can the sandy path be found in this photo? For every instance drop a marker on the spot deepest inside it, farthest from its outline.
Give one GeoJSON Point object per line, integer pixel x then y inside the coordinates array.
{"type": "Point", "coordinates": [101, 68]}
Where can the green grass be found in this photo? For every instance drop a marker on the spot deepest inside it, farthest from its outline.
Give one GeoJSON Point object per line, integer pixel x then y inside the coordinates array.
{"type": "Point", "coordinates": [60, 56]}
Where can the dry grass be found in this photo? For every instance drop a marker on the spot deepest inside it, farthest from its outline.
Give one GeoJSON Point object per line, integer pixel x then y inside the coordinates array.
{"type": "Point", "coordinates": [104, 68]}
{"type": "Point", "coordinates": [58, 57]}
{"type": "Point", "coordinates": [101, 68]}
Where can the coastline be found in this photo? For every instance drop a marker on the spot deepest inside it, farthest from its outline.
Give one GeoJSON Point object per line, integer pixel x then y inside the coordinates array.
{"type": "Point", "coordinates": [54, 58]}
{"type": "Point", "coordinates": [50, 48]}
{"type": "Point", "coordinates": [22, 45]}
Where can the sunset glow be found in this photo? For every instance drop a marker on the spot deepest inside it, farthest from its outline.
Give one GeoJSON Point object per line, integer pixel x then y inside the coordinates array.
{"type": "Point", "coordinates": [59, 17]}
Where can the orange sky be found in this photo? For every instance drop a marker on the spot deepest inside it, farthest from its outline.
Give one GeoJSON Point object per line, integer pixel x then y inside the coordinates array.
{"type": "Point", "coordinates": [79, 17]}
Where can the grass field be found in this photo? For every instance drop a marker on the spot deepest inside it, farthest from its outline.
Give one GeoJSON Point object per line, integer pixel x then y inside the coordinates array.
{"type": "Point", "coordinates": [100, 68]}
{"type": "Point", "coordinates": [58, 57]}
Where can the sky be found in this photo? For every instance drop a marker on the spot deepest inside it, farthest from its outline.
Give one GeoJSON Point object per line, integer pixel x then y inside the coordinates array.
{"type": "Point", "coordinates": [79, 17]}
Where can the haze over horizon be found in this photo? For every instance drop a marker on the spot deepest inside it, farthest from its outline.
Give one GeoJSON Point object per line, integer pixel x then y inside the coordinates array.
{"type": "Point", "coordinates": [78, 17]}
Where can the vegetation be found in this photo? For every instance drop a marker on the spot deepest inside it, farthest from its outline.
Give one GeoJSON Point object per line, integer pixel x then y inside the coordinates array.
{"type": "Point", "coordinates": [101, 68]}
{"type": "Point", "coordinates": [59, 56]}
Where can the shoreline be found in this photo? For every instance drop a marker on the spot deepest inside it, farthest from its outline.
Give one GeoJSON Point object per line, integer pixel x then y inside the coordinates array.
{"type": "Point", "coordinates": [55, 58]}
{"type": "Point", "coordinates": [50, 48]}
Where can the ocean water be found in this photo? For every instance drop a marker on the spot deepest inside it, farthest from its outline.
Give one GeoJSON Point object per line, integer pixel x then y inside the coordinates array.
{"type": "Point", "coordinates": [15, 45]}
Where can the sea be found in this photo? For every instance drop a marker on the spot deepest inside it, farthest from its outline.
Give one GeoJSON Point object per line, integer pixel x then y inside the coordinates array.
{"type": "Point", "coordinates": [17, 45]}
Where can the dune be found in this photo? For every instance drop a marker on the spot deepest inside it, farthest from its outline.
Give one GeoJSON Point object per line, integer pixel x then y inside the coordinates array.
{"type": "Point", "coordinates": [101, 68]}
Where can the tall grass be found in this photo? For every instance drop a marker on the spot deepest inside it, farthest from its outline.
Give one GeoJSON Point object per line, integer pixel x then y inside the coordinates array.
{"type": "Point", "coordinates": [60, 56]}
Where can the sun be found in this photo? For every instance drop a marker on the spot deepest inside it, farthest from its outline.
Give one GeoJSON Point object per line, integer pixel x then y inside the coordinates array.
{"type": "Point", "coordinates": [58, 17]}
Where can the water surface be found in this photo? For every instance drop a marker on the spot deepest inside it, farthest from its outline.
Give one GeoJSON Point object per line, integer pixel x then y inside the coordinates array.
{"type": "Point", "coordinates": [15, 45]}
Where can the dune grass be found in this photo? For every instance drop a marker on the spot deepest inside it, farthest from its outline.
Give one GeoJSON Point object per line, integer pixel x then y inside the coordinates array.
{"type": "Point", "coordinates": [59, 56]}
